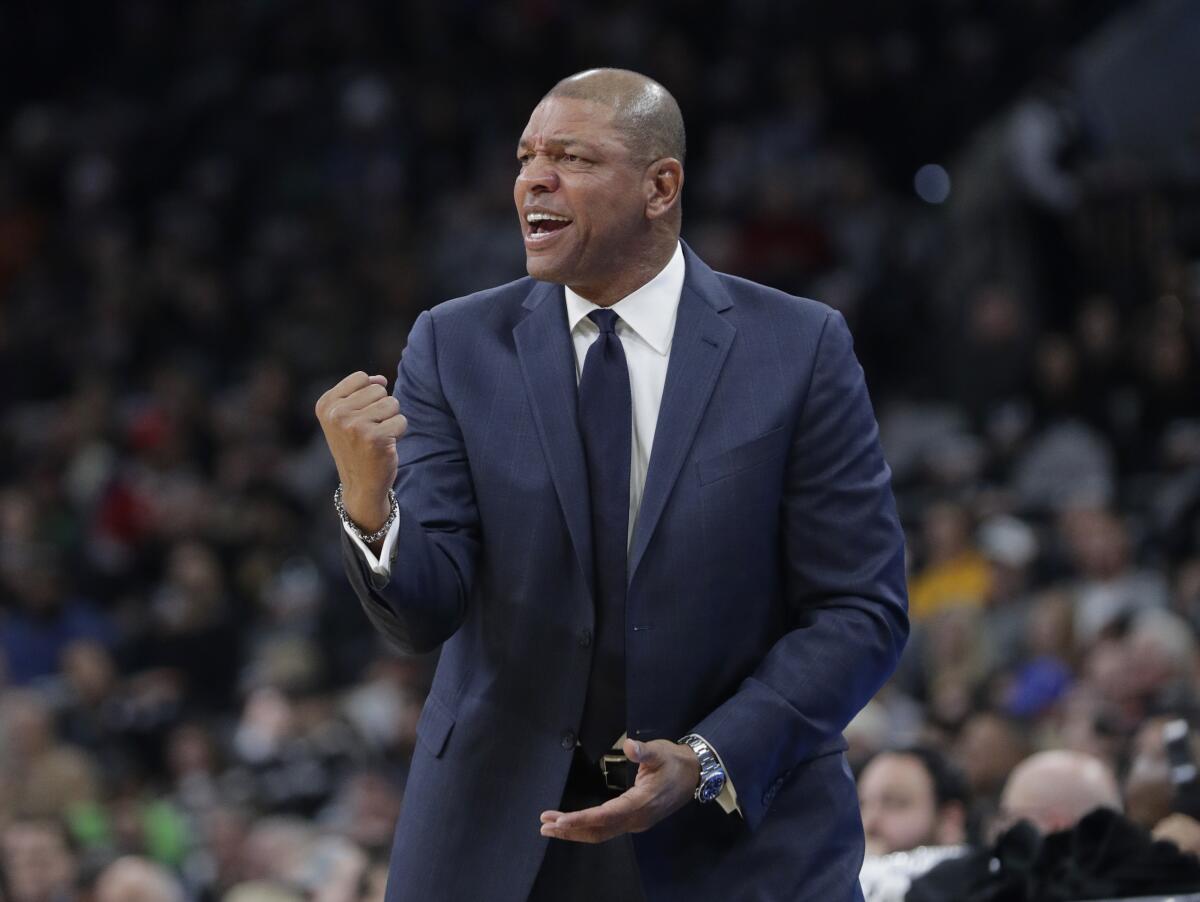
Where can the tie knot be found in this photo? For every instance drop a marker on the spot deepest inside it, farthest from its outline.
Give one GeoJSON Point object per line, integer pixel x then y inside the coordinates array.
{"type": "Point", "coordinates": [605, 319]}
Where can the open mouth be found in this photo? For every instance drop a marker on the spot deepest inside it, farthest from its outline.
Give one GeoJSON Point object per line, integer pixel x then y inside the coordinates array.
{"type": "Point", "coordinates": [543, 225]}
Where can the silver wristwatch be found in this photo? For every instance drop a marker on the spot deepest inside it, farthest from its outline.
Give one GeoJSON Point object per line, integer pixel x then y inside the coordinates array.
{"type": "Point", "coordinates": [712, 775]}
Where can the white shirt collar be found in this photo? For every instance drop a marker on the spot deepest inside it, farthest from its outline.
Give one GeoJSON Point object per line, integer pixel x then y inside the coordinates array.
{"type": "Point", "coordinates": [649, 311]}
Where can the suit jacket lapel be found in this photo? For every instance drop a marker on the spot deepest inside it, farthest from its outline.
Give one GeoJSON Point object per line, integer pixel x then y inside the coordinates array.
{"type": "Point", "coordinates": [547, 357]}
{"type": "Point", "coordinates": [698, 350]}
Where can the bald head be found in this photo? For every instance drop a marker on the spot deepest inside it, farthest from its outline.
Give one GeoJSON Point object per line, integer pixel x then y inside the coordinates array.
{"type": "Point", "coordinates": [642, 109]}
{"type": "Point", "coordinates": [1055, 789]}
{"type": "Point", "coordinates": [133, 879]}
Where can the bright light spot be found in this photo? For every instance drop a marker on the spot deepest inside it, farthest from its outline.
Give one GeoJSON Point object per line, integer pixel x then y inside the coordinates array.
{"type": "Point", "coordinates": [932, 183]}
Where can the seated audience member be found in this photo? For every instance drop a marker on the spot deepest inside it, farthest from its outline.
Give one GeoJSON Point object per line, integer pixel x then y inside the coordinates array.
{"type": "Point", "coordinates": [955, 573]}
{"type": "Point", "coordinates": [38, 861]}
{"type": "Point", "coordinates": [1068, 840]}
{"type": "Point", "coordinates": [41, 777]}
{"type": "Point", "coordinates": [261, 891]}
{"type": "Point", "coordinates": [134, 879]}
{"type": "Point", "coordinates": [988, 747]}
{"type": "Point", "coordinates": [1147, 788]}
{"type": "Point", "coordinates": [1053, 790]}
{"type": "Point", "coordinates": [1161, 796]}
{"type": "Point", "coordinates": [275, 848]}
{"type": "Point", "coordinates": [909, 798]}
{"type": "Point", "coordinates": [333, 870]}
{"type": "Point", "coordinates": [914, 812]}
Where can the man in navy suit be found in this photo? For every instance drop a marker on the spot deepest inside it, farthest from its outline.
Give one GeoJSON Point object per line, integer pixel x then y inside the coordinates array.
{"type": "Point", "coordinates": [642, 508]}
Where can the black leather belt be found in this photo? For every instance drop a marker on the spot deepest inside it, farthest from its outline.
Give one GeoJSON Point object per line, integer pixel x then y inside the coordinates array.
{"type": "Point", "coordinates": [619, 772]}
{"type": "Point", "coordinates": [611, 775]}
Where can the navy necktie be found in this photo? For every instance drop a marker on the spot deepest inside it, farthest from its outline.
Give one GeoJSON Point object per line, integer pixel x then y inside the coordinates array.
{"type": "Point", "coordinates": [606, 425]}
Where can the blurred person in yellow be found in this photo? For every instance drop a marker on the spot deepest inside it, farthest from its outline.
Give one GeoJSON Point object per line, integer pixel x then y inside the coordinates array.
{"type": "Point", "coordinates": [955, 573]}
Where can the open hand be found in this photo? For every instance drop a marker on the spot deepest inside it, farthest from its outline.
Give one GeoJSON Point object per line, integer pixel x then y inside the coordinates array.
{"type": "Point", "coordinates": [668, 774]}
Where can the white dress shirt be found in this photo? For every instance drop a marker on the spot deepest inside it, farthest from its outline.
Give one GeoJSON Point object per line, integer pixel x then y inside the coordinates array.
{"type": "Point", "coordinates": [645, 325]}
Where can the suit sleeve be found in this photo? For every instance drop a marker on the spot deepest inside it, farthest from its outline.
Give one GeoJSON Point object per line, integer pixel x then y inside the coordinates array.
{"type": "Point", "coordinates": [423, 599]}
{"type": "Point", "coordinates": [843, 550]}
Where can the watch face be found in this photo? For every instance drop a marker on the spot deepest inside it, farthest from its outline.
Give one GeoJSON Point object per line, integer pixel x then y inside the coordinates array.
{"type": "Point", "coordinates": [711, 788]}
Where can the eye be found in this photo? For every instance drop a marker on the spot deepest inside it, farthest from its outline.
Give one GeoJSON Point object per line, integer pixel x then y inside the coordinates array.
{"type": "Point", "coordinates": [524, 158]}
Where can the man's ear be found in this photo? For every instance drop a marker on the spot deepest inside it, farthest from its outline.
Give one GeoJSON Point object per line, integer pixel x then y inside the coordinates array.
{"type": "Point", "coordinates": [664, 179]}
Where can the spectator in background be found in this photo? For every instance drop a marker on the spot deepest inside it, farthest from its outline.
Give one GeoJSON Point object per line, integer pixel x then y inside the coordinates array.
{"type": "Point", "coordinates": [955, 574]}
{"type": "Point", "coordinates": [909, 798]}
{"type": "Point", "coordinates": [38, 861]}
{"type": "Point", "coordinates": [46, 618]}
{"type": "Point", "coordinates": [93, 705]}
{"type": "Point", "coordinates": [262, 891]}
{"type": "Point", "coordinates": [1163, 662]}
{"type": "Point", "coordinates": [191, 613]}
{"type": "Point", "coordinates": [334, 869]}
{"type": "Point", "coordinates": [993, 354]}
{"type": "Point", "coordinates": [41, 776]}
{"type": "Point", "coordinates": [292, 751]}
{"type": "Point", "coordinates": [365, 811]}
{"type": "Point", "coordinates": [914, 813]}
{"type": "Point", "coordinates": [132, 879]}
{"type": "Point", "coordinates": [1063, 838]}
{"type": "Point", "coordinates": [1185, 598]}
{"type": "Point", "coordinates": [1164, 796]}
{"type": "Point", "coordinates": [955, 664]}
{"type": "Point", "coordinates": [1010, 547]}
{"type": "Point", "coordinates": [275, 848]}
{"type": "Point", "coordinates": [987, 748]}
{"type": "Point", "coordinates": [1053, 790]}
{"type": "Point", "coordinates": [1109, 583]}
{"type": "Point", "coordinates": [221, 857]}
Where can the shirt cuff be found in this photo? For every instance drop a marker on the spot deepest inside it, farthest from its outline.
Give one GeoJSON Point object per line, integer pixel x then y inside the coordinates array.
{"type": "Point", "coordinates": [380, 566]}
{"type": "Point", "coordinates": [727, 798]}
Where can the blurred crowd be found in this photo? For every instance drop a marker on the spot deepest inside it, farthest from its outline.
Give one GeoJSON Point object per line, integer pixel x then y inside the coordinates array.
{"type": "Point", "coordinates": [211, 211]}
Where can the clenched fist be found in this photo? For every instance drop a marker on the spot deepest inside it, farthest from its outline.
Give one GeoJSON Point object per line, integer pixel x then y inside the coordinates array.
{"type": "Point", "coordinates": [362, 422]}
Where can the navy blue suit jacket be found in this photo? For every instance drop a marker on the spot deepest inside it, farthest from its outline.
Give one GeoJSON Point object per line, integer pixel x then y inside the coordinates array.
{"type": "Point", "coordinates": [766, 599]}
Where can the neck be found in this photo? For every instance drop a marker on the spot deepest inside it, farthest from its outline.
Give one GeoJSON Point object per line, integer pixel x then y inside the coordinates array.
{"type": "Point", "coordinates": [629, 280]}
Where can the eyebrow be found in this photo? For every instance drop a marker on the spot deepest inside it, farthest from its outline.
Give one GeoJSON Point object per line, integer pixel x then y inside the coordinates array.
{"type": "Point", "coordinates": [561, 141]}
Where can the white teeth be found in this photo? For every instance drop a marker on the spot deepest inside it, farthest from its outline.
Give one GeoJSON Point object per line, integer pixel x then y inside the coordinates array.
{"type": "Point", "coordinates": [538, 217]}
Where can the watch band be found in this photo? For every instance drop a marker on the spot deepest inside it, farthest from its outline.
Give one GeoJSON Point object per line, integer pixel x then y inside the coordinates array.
{"type": "Point", "coordinates": [712, 775]}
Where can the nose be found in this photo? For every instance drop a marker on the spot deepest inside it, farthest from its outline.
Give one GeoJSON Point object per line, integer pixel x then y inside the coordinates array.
{"type": "Point", "coordinates": [537, 177]}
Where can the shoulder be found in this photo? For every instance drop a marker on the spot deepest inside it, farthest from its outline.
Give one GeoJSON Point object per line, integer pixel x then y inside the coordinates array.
{"type": "Point", "coordinates": [502, 300]}
{"type": "Point", "coordinates": [753, 302]}
{"type": "Point", "coordinates": [462, 322]}
{"type": "Point", "coordinates": [788, 326]}
{"type": "Point", "coordinates": [773, 305]}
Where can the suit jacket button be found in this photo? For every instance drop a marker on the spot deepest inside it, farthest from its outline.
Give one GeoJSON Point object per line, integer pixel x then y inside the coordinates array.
{"type": "Point", "coordinates": [568, 740]}
{"type": "Point", "coordinates": [585, 638]}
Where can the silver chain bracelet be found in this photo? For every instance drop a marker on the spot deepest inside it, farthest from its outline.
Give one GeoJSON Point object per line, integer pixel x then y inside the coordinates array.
{"type": "Point", "coordinates": [340, 507]}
